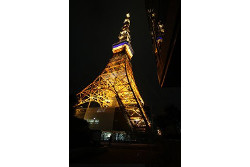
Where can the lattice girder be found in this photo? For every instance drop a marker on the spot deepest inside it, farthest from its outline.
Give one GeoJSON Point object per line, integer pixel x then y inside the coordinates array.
{"type": "Point", "coordinates": [116, 87]}
{"type": "Point", "coordinates": [117, 79]}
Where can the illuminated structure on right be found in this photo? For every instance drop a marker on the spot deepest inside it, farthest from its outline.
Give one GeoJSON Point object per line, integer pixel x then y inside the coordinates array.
{"type": "Point", "coordinates": [164, 18]}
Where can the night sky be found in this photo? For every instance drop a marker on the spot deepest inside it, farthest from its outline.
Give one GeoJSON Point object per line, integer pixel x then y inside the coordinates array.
{"type": "Point", "coordinates": [94, 27]}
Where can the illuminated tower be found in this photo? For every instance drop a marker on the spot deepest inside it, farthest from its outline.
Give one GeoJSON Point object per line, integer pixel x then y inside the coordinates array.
{"type": "Point", "coordinates": [115, 87]}
{"type": "Point", "coordinates": [164, 20]}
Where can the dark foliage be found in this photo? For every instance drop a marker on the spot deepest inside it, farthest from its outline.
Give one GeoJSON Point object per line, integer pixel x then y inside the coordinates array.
{"type": "Point", "coordinates": [170, 122]}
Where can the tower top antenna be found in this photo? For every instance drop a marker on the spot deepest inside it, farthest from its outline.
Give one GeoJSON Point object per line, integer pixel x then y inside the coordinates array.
{"type": "Point", "coordinates": [124, 38]}
{"type": "Point", "coordinates": [125, 33]}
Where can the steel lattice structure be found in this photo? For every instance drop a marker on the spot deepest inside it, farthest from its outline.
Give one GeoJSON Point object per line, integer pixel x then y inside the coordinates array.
{"type": "Point", "coordinates": [116, 87]}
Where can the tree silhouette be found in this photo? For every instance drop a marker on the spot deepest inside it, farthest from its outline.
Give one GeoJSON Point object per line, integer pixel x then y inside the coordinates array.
{"type": "Point", "coordinates": [169, 122]}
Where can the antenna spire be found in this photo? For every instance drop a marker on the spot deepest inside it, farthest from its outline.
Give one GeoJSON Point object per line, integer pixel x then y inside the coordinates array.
{"type": "Point", "coordinates": [124, 33]}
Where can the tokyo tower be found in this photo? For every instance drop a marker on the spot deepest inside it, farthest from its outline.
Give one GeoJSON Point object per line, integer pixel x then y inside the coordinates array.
{"type": "Point", "coordinates": [115, 87]}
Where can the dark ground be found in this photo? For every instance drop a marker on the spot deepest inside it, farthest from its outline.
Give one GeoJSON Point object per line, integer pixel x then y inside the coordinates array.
{"type": "Point", "coordinates": [166, 153]}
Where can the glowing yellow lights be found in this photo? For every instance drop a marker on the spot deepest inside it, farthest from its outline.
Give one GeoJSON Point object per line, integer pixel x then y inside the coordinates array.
{"type": "Point", "coordinates": [116, 87]}
{"type": "Point", "coordinates": [120, 48]}
{"type": "Point", "coordinates": [124, 34]}
{"type": "Point", "coordinates": [159, 40]}
{"type": "Point", "coordinates": [159, 132]}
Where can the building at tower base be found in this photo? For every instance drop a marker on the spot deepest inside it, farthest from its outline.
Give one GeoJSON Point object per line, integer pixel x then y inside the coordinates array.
{"type": "Point", "coordinates": [110, 121]}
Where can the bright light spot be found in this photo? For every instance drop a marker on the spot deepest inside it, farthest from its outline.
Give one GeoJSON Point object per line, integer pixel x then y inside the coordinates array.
{"type": "Point", "coordinates": [159, 132]}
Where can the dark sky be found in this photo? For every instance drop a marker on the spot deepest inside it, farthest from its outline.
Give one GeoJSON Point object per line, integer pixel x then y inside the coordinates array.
{"type": "Point", "coordinates": [94, 27]}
